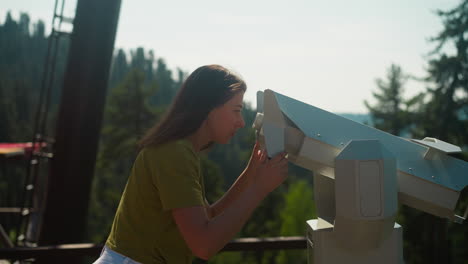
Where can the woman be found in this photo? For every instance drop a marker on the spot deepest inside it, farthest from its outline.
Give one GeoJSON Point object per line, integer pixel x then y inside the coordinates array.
{"type": "Point", "coordinates": [163, 216]}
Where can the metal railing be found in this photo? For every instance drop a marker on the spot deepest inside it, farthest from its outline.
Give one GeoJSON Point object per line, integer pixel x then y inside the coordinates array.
{"type": "Point", "coordinates": [93, 250]}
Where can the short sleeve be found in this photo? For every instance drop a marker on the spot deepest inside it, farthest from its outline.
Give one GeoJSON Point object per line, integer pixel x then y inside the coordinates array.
{"type": "Point", "coordinates": [175, 171]}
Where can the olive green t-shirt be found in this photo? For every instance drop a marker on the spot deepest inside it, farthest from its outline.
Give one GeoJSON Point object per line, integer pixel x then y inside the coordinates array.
{"type": "Point", "coordinates": [162, 178]}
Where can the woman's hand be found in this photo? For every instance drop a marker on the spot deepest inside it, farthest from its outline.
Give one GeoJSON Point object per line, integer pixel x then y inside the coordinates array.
{"type": "Point", "coordinates": [257, 157]}
{"type": "Point", "coordinates": [266, 173]}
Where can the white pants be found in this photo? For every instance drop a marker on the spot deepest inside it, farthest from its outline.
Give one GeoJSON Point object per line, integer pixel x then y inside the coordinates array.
{"type": "Point", "coordinates": [109, 256]}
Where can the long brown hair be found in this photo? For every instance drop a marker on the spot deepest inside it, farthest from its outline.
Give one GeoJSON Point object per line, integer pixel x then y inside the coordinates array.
{"type": "Point", "coordinates": [206, 88]}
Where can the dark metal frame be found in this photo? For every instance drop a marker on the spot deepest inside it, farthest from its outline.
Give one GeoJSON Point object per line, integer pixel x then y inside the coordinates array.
{"type": "Point", "coordinates": [93, 250]}
{"type": "Point", "coordinates": [49, 78]}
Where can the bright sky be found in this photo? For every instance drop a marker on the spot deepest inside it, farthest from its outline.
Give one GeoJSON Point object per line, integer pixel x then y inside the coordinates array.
{"type": "Point", "coordinates": [325, 53]}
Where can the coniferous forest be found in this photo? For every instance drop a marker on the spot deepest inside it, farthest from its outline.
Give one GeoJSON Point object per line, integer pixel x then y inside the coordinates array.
{"type": "Point", "coordinates": [141, 86]}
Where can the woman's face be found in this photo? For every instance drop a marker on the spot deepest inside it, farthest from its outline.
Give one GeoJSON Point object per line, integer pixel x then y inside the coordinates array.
{"type": "Point", "coordinates": [224, 120]}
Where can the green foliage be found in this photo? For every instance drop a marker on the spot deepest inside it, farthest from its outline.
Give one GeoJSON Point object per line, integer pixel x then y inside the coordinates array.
{"type": "Point", "coordinates": [299, 207]}
{"type": "Point", "coordinates": [127, 116]}
{"type": "Point", "coordinates": [444, 117]}
{"type": "Point", "coordinates": [119, 69]}
{"type": "Point", "coordinates": [446, 114]}
{"type": "Point", "coordinates": [212, 178]}
{"type": "Point", "coordinates": [22, 53]}
{"type": "Point", "coordinates": [392, 113]}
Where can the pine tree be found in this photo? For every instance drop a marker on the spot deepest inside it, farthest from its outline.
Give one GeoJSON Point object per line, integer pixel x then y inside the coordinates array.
{"type": "Point", "coordinates": [119, 69]}
{"type": "Point", "coordinates": [445, 117]}
{"type": "Point", "coordinates": [391, 112]}
{"type": "Point", "coordinates": [447, 112]}
{"type": "Point", "coordinates": [127, 117]}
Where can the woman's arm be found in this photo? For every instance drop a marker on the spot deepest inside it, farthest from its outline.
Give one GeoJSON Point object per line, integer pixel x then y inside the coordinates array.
{"type": "Point", "coordinates": [205, 236]}
{"type": "Point", "coordinates": [258, 156]}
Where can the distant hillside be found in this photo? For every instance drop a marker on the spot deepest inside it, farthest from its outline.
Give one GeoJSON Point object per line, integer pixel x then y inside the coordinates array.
{"type": "Point", "coordinates": [361, 118]}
